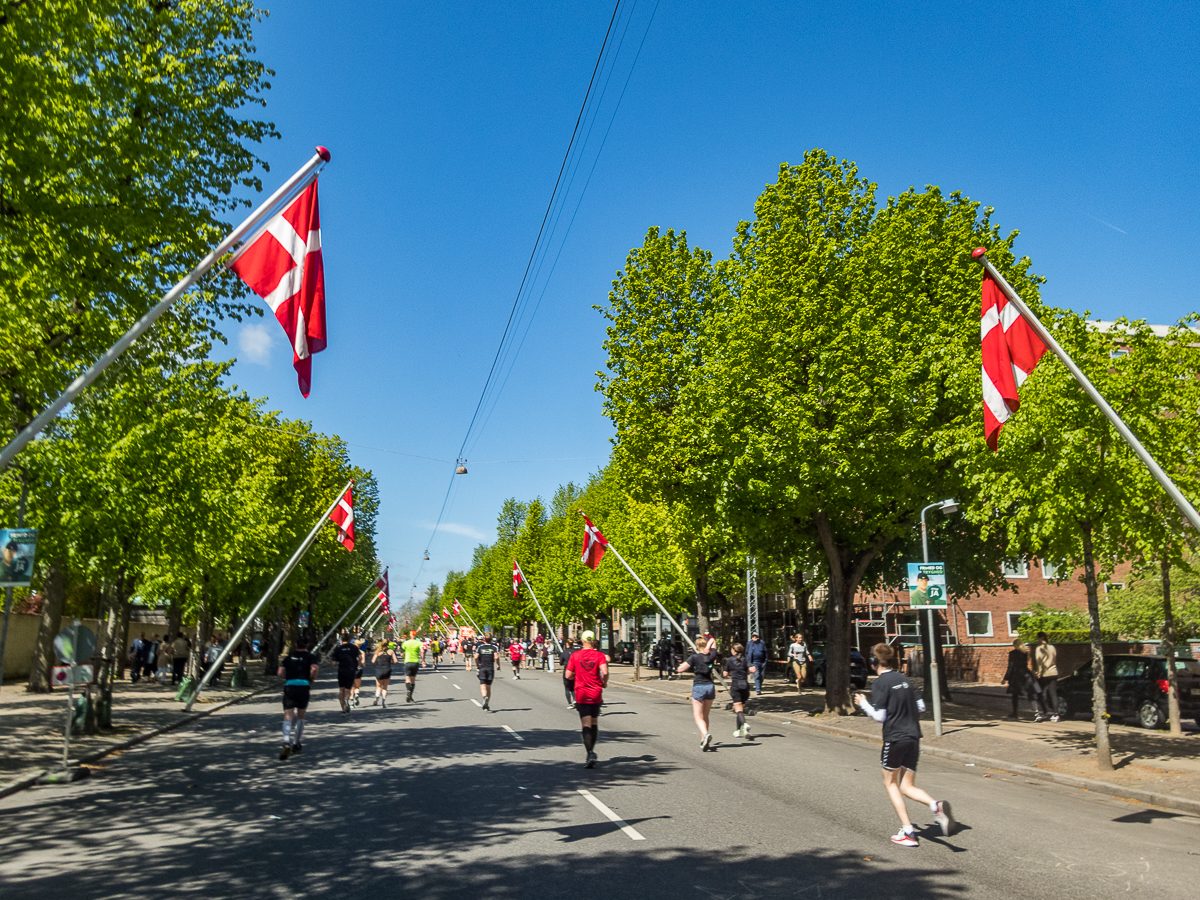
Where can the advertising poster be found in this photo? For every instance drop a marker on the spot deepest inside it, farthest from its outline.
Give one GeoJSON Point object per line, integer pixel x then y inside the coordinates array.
{"type": "Point", "coordinates": [927, 585]}
{"type": "Point", "coordinates": [17, 546]}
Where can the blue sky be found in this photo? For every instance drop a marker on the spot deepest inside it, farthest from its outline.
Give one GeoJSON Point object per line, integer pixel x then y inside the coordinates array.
{"type": "Point", "coordinates": [448, 124]}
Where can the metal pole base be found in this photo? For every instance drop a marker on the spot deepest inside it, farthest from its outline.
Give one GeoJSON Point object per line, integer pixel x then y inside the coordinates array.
{"type": "Point", "coordinates": [65, 776]}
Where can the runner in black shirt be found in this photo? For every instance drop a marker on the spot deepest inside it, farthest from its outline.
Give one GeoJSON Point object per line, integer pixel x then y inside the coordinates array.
{"type": "Point", "coordinates": [563, 658]}
{"type": "Point", "coordinates": [738, 671]}
{"type": "Point", "coordinates": [485, 661]}
{"type": "Point", "coordinates": [349, 661]}
{"type": "Point", "coordinates": [299, 671]}
{"type": "Point", "coordinates": [897, 704]}
{"type": "Point", "coordinates": [383, 659]}
{"type": "Point", "coordinates": [703, 689]}
{"type": "Point", "coordinates": [468, 650]}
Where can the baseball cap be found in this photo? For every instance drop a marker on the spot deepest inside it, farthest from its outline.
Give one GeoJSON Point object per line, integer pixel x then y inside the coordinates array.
{"type": "Point", "coordinates": [588, 636]}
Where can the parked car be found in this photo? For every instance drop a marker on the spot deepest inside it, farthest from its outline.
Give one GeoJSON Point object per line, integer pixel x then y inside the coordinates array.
{"type": "Point", "coordinates": [1135, 687]}
{"type": "Point", "coordinates": [858, 669]}
{"type": "Point", "coordinates": [622, 652]}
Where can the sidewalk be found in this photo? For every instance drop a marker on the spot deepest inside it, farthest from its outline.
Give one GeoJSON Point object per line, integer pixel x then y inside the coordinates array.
{"type": "Point", "coordinates": [1151, 766]}
{"type": "Point", "coordinates": [31, 725]}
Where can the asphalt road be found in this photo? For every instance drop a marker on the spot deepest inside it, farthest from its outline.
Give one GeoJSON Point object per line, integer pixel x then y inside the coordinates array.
{"type": "Point", "coordinates": [438, 799]}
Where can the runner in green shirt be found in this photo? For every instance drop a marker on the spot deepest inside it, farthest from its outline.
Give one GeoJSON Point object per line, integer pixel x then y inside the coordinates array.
{"type": "Point", "coordinates": [412, 664]}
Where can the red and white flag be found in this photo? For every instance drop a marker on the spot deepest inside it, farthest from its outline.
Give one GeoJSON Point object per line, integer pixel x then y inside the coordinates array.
{"type": "Point", "coordinates": [445, 614]}
{"type": "Point", "coordinates": [343, 517]}
{"type": "Point", "coordinates": [594, 544]}
{"type": "Point", "coordinates": [283, 266]}
{"type": "Point", "coordinates": [457, 607]}
{"type": "Point", "coordinates": [384, 606]}
{"type": "Point", "coordinates": [382, 583]}
{"type": "Point", "coordinates": [1010, 351]}
{"type": "Point", "coordinates": [517, 579]}
{"type": "Point", "coordinates": [434, 617]}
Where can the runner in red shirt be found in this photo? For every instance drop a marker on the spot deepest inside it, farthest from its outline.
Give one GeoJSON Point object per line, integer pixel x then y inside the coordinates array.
{"type": "Point", "coordinates": [588, 671]}
{"type": "Point", "coordinates": [516, 653]}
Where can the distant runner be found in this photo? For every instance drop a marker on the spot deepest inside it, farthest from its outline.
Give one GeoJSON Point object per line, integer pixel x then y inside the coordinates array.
{"type": "Point", "coordinates": [383, 659]}
{"type": "Point", "coordinates": [361, 643]}
{"type": "Point", "coordinates": [703, 689]}
{"type": "Point", "coordinates": [588, 671]}
{"type": "Point", "coordinates": [897, 703]}
{"type": "Point", "coordinates": [564, 660]}
{"type": "Point", "coordinates": [349, 659]}
{"type": "Point", "coordinates": [435, 647]}
{"type": "Point", "coordinates": [299, 671]}
{"type": "Point", "coordinates": [738, 670]}
{"type": "Point", "coordinates": [485, 661]}
{"type": "Point", "coordinates": [468, 649]}
{"type": "Point", "coordinates": [516, 653]}
{"type": "Point", "coordinates": [412, 664]}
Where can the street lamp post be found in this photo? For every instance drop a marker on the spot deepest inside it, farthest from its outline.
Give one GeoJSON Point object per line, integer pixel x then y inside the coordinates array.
{"type": "Point", "coordinates": [946, 506]}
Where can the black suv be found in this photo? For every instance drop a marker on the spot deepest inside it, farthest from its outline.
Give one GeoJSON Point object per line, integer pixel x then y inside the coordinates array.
{"type": "Point", "coordinates": [1135, 687]}
{"type": "Point", "coordinates": [858, 669]}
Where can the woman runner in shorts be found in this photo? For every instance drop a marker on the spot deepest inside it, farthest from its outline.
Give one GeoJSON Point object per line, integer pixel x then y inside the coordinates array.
{"type": "Point", "coordinates": [738, 671]}
{"type": "Point", "coordinates": [703, 689]}
{"type": "Point", "coordinates": [383, 659]}
{"type": "Point", "coordinates": [897, 704]}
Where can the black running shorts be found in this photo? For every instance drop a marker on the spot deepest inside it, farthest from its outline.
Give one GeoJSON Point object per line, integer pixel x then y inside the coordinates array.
{"type": "Point", "coordinates": [587, 709]}
{"type": "Point", "coordinates": [902, 754]}
{"type": "Point", "coordinates": [358, 673]}
{"type": "Point", "coordinates": [345, 679]}
{"type": "Point", "coordinates": [739, 695]}
{"type": "Point", "coordinates": [383, 676]}
{"type": "Point", "coordinates": [486, 676]}
{"type": "Point", "coordinates": [411, 669]}
{"type": "Point", "coordinates": [295, 696]}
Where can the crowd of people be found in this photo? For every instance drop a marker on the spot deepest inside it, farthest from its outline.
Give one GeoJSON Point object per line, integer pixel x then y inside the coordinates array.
{"type": "Point", "coordinates": [165, 659]}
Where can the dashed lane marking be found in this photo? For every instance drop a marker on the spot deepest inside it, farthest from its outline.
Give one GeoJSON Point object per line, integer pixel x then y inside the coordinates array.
{"type": "Point", "coordinates": [457, 688]}
{"type": "Point", "coordinates": [633, 833]}
{"type": "Point", "coordinates": [513, 733]}
{"type": "Point", "coordinates": [477, 703]}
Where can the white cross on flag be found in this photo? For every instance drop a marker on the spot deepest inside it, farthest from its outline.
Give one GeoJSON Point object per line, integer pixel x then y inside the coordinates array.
{"type": "Point", "coordinates": [594, 544]}
{"type": "Point", "coordinates": [1010, 351]}
{"type": "Point", "coordinates": [382, 583]}
{"type": "Point", "coordinates": [457, 607]}
{"type": "Point", "coordinates": [434, 617]}
{"type": "Point", "coordinates": [343, 517]}
{"type": "Point", "coordinates": [516, 578]}
{"type": "Point", "coordinates": [283, 266]}
{"type": "Point", "coordinates": [445, 615]}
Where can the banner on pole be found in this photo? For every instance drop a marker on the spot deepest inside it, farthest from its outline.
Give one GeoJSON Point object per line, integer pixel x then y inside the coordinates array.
{"type": "Point", "coordinates": [927, 585]}
{"type": "Point", "coordinates": [17, 547]}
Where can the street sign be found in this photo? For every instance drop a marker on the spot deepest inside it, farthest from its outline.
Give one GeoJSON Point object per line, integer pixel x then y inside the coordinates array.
{"type": "Point", "coordinates": [60, 676]}
{"type": "Point", "coordinates": [17, 546]}
{"type": "Point", "coordinates": [74, 644]}
{"type": "Point", "coordinates": [304, 619]}
{"type": "Point", "coordinates": [927, 585]}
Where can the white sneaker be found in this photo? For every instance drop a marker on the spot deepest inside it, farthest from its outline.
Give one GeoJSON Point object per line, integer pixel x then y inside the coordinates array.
{"type": "Point", "coordinates": [705, 742]}
{"type": "Point", "coordinates": [737, 732]}
{"type": "Point", "coordinates": [746, 732]}
{"type": "Point", "coordinates": [943, 817]}
{"type": "Point", "coordinates": [905, 839]}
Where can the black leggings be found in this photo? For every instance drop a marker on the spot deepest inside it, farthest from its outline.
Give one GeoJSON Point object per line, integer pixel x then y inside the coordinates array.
{"type": "Point", "coordinates": [569, 687]}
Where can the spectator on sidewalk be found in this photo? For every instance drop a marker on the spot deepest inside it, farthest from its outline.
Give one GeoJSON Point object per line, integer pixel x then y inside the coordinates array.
{"type": "Point", "coordinates": [179, 657]}
{"type": "Point", "coordinates": [138, 654]}
{"type": "Point", "coordinates": [151, 657]}
{"type": "Point", "coordinates": [666, 653]}
{"type": "Point", "coordinates": [210, 658]}
{"type": "Point", "coordinates": [798, 657]}
{"type": "Point", "coordinates": [756, 657]}
{"type": "Point", "coordinates": [1021, 681]}
{"type": "Point", "coordinates": [1045, 670]}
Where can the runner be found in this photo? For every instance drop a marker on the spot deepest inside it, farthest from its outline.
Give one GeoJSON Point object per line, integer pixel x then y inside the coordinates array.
{"type": "Point", "coordinates": [485, 661]}
{"type": "Point", "coordinates": [703, 689]}
{"type": "Point", "coordinates": [453, 649]}
{"type": "Point", "coordinates": [516, 653]}
{"type": "Point", "coordinates": [587, 670]}
{"type": "Point", "coordinates": [299, 671]}
{"type": "Point", "coordinates": [425, 650]}
{"type": "Point", "coordinates": [348, 658]}
{"type": "Point", "coordinates": [564, 660]}
{"type": "Point", "coordinates": [435, 647]}
{"type": "Point", "coordinates": [384, 657]}
{"type": "Point", "coordinates": [897, 703]}
{"type": "Point", "coordinates": [798, 657]}
{"type": "Point", "coordinates": [738, 670]}
{"type": "Point", "coordinates": [361, 644]}
{"type": "Point", "coordinates": [412, 664]}
{"type": "Point", "coordinates": [468, 649]}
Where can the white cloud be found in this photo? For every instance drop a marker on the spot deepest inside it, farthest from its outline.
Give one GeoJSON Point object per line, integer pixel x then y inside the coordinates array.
{"type": "Point", "coordinates": [255, 343]}
{"type": "Point", "coordinates": [464, 530]}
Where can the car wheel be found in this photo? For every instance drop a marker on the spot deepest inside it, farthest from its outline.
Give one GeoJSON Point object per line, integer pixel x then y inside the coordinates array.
{"type": "Point", "coordinates": [819, 678]}
{"type": "Point", "coordinates": [1149, 715]}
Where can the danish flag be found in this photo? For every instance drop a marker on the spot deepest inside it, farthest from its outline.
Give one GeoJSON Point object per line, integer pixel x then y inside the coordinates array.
{"type": "Point", "coordinates": [1010, 351]}
{"type": "Point", "coordinates": [517, 579]}
{"type": "Point", "coordinates": [382, 583]}
{"type": "Point", "coordinates": [594, 544]}
{"type": "Point", "coordinates": [445, 615]}
{"type": "Point", "coordinates": [457, 607]}
{"type": "Point", "coordinates": [435, 617]}
{"type": "Point", "coordinates": [283, 266]}
{"type": "Point", "coordinates": [343, 517]}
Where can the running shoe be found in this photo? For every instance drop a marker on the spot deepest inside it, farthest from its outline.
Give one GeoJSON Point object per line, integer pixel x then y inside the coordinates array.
{"type": "Point", "coordinates": [284, 751]}
{"type": "Point", "coordinates": [486, 702]}
{"type": "Point", "coordinates": [905, 839]}
{"type": "Point", "coordinates": [705, 742]}
{"type": "Point", "coordinates": [570, 706]}
{"type": "Point", "coordinates": [1054, 718]}
{"type": "Point", "coordinates": [737, 732]}
{"type": "Point", "coordinates": [591, 759]}
{"type": "Point", "coordinates": [375, 702]}
{"type": "Point", "coordinates": [383, 702]}
{"type": "Point", "coordinates": [944, 818]}
{"type": "Point", "coordinates": [746, 732]}
{"type": "Point", "coordinates": [296, 748]}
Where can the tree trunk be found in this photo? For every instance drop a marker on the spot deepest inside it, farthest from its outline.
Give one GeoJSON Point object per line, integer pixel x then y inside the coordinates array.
{"type": "Point", "coordinates": [204, 626]}
{"type": "Point", "coordinates": [1099, 697]}
{"type": "Point", "coordinates": [175, 614]}
{"type": "Point", "coordinates": [289, 628]}
{"type": "Point", "coordinates": [1169, 649]}
{"type": "Point", "coordinates": [55, 584]}
{"type": "Point", "coordinates": [700, 584]}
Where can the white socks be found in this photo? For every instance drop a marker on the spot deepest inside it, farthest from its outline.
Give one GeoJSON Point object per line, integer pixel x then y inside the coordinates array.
{"type": "Point", "coordinates": [287, 731]}
{"type": "Point", "coordinates": [299, 731]}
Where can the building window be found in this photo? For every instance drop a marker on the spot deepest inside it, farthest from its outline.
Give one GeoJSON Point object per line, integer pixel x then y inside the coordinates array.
{"type": "Point", "coordinates": [1015, 568]}
{"type": "Point", "coordinates": [1013, 619]}
{"type": "Point", "coordinates": [1110, 586]}
{"type": "Point", "coordinates": [979, 624]}
{"type": "Point", "coordinates": [1051, 570]}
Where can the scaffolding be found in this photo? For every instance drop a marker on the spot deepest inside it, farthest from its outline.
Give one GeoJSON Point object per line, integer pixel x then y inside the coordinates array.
{"type": "Point", "coordinates": [751, 598]}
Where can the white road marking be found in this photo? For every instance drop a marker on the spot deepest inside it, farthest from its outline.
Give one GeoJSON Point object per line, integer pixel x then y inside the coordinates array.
{"type": "Point", "coordinates": [477, 703]}
{"type": "Point", "coordinates": [612, 816]}
{"type": "Point", "coordinates": [513, 733]}
{"type": "Point", "coordinates": [457, 688]}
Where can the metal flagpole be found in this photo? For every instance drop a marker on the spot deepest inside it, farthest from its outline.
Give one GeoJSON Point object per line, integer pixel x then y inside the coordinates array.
{"type": "Point", "coordinates": [1160, 476]}
{"type": "Point", "coordinates": [267, 208]}
{"type": "Point", "coordinates": [550, 628]}
{"type": "Point", "coordinates": [325, 637]}
{"type": "Point", "coordinates": [275, 585]}
{"type": "Point", "coordinates": [474, 624]}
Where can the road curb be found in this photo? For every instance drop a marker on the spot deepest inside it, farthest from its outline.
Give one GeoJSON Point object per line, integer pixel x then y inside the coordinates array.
{"type": "Point", "coordinates": [1166, 801]}
{"type": "Point", "coordinates": [29, 782]}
